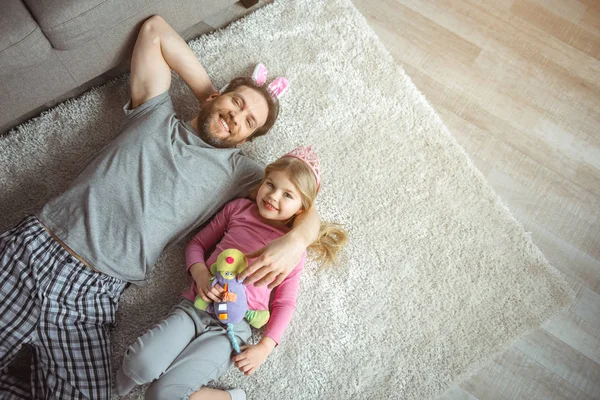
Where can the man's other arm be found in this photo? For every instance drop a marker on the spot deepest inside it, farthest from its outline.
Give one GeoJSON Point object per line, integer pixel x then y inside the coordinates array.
{"type": "Point", "coordinates": [277, 259]}
{"type": "Point", "coordinates": [158, 50]}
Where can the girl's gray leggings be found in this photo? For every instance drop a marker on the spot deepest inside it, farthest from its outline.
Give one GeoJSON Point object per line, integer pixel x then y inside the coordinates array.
{"type": "Point", "coordinates": [182, 353]}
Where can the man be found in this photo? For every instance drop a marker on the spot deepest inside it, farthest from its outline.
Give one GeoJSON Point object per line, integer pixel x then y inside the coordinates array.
{"type": "Point", "coordinates": [63, 271]}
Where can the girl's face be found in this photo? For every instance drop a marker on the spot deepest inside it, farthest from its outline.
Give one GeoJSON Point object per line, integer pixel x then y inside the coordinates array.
{"type": "Point", "coordinates": [278, 199]}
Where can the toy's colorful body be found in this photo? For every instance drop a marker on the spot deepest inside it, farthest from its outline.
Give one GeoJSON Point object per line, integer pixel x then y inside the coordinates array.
{"type": "Point", "coordinates": [233, 306]}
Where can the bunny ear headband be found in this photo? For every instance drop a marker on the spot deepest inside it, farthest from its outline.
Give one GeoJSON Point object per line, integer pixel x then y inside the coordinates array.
{"type": "Point", "coordinates": [277, 88]}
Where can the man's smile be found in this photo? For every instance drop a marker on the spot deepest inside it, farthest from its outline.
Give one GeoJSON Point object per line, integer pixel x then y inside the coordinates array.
{"type": "Point", "coordinates": [224, 124]}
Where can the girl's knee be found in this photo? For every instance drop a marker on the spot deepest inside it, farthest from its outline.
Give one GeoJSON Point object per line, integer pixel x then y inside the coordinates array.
{"type": "Point", "coordinates": [139, 367]}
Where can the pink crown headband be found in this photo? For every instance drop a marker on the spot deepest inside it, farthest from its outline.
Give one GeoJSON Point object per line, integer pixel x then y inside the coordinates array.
{"type": "Point", "coordinates": [309, 156]}
{"type": "Point", "coordinates": [277, 88]}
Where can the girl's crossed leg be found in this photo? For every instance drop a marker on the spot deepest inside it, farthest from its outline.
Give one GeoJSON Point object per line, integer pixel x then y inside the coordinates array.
{"type": "Point", "coordinates": [180, 355]}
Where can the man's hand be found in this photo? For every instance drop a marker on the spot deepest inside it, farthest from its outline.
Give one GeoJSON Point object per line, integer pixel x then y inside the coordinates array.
{"type": "Point", "coordinates": [252, 357]}
{"type": "Point", "coordinates": [275, 261]}
{"type": "Point", "coordinates": [202, 278]}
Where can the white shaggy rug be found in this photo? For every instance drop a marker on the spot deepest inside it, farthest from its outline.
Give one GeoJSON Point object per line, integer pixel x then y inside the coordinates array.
{"type": "Point", "coordinates": [438, 277]}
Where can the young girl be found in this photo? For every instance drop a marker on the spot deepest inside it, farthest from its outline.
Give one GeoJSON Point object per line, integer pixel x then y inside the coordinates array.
{"type": "Point", "coordinates": [190, 347]}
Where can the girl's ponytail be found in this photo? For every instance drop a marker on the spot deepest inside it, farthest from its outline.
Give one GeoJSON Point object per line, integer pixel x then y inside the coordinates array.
{"type": "Point", "coordinates": [326, 249]}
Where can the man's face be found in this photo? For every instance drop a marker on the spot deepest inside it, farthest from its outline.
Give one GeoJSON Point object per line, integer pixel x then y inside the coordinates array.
{"type": "Point", "coordinates": [229, 119]}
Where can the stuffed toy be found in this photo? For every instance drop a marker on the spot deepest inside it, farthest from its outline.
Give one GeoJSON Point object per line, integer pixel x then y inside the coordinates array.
{"type": "Point", "coordinates": [233, 306]}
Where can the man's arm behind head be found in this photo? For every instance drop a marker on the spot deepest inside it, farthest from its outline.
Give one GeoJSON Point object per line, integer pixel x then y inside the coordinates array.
{"type": "Point", "coordinates": [158, 49]}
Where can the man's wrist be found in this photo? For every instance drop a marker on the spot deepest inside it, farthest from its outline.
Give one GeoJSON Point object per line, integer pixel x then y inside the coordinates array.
{"type": "Point", "coordinates": [300, 241]}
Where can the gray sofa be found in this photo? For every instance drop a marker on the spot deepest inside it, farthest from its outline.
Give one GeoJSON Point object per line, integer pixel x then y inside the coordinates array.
{"type": "Point", "coordinates": [54, 49]}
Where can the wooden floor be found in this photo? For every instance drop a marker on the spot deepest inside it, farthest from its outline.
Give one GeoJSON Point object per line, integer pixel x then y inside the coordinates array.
{"type": "Point", "coordinates": [518, 84]}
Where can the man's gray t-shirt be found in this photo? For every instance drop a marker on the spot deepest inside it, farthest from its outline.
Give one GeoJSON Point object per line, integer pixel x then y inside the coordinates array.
{"type": "Point", "coordinates": [146, 189]}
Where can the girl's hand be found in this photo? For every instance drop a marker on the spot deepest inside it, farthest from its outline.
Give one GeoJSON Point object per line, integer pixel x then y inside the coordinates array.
{"type": "Point", "coordinates": [252, 356]}
{"type": "Point", "coordinates": [202, 278]}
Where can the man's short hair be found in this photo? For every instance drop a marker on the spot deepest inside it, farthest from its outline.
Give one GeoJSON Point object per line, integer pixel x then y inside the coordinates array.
{"type": "Point", "coordinates": [272, 102]}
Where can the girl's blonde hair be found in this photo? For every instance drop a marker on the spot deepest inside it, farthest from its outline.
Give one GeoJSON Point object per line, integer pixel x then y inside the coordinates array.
{"type": "Point", "coordinates": [332, 237]}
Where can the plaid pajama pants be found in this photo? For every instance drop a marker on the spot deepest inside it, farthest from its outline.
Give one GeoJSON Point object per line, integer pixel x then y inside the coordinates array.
{"type": "Point", "coordinates": [64, 310]}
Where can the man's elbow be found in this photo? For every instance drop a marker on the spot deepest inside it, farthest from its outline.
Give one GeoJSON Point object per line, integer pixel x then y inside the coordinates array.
{"type": "Point", "coordinates": [155, 20]}
{"type": "Point", "coordinates": [151, 27]}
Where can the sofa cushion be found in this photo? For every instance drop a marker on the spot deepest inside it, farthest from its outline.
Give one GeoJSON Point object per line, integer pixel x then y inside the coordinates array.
{"type": "Point", "coordinates": [110, 48]}
{"type": "Point", "coordinates": [68, 24]}
{"type": "Point", "coordinates": [22, 43]}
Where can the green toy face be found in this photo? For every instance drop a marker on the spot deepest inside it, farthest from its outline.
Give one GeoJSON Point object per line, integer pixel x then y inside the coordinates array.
{"type": "Point", "coordinates": [228, 275]}
{"type": "Point", "coordinates": [230, 263]}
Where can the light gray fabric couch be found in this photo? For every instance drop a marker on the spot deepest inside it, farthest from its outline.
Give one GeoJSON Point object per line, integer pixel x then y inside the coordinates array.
{"type": "Point", "coordinates": [51, 48]}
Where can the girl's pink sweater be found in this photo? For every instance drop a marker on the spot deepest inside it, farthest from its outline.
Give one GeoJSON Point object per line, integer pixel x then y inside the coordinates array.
{"type": "Point", "coordinates": [239, 225]}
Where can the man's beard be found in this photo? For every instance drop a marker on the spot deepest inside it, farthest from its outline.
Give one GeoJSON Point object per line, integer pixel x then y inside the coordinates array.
{"type": "Point", "coordinates": [204, 130]}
